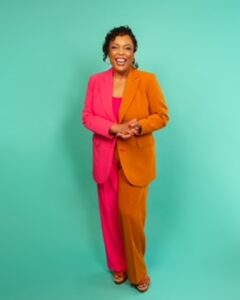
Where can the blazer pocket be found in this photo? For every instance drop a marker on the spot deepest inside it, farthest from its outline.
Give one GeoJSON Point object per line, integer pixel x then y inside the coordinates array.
{"type": "Point", "coordinates": [145, 140]}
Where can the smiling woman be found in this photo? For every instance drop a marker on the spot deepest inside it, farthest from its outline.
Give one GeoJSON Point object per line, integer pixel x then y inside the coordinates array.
{"type": "Point", "coordinates": [121, 53]}
{"type": "Point", "coordinates": [123, 107]}
{"type": "Point", "coordinates": [112, 42]}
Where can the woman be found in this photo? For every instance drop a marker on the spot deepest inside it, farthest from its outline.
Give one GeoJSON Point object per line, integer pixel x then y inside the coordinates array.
{"type": "Point", "coordinates": [123, 107]}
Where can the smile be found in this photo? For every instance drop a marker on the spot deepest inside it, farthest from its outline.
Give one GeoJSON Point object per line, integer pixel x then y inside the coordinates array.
{"type": "Point", "coordinates": [121, 61]}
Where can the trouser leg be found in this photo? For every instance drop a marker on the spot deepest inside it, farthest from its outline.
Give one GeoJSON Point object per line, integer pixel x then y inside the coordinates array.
{"type": "Point", "coordinates": [110, 220]}
{"type": "Point", "coordinates": [132, 207]}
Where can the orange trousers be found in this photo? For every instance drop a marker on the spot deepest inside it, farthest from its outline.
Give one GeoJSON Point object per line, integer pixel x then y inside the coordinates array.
{"type": "Point", "coordinates": [133, 211]}
{"type": "Point", "coordinates": [133, 208]}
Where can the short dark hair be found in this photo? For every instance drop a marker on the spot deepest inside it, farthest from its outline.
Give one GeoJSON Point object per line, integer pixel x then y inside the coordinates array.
{"type": "Point", "coordinates": [112, 34]}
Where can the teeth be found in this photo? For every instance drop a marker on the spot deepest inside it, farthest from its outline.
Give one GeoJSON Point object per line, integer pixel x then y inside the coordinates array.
{"type": "Point", "coordinates": [120, 61]}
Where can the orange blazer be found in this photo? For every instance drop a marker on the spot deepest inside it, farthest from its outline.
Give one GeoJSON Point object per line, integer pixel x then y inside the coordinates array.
{"type": "Point", "coordinates": [144, 100]}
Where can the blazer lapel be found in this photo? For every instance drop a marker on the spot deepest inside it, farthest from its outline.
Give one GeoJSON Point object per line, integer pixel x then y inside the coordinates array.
{"type": "Point", "coordinates": [129, 93]}
{"type": "Point", "coordinates": [106, 92]}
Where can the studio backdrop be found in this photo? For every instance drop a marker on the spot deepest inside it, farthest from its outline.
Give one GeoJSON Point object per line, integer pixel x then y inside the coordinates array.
{"type": "Point", "coordinates": [51, 243]}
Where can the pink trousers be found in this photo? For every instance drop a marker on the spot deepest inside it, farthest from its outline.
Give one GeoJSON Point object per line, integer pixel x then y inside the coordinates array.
{"type": "Point", "coordinates": [108, 194]}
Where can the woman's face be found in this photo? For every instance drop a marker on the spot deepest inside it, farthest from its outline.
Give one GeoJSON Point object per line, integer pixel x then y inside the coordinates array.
{"type": "Point", "coordinates": [121, 53]}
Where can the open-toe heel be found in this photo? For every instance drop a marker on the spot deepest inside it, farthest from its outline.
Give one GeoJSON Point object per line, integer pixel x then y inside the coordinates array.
{"type": "Point", "coordinates": [119, 277]}
{"type": "Point", "coordinates": [143, 285]}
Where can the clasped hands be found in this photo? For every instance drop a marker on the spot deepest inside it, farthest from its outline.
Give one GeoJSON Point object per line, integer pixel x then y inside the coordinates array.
{"type": "Point", "coordinates": [127, 129]}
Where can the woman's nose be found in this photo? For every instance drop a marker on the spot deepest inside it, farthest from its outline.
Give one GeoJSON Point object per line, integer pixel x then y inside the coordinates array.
{"type": "Point", "coordinates": [120, 50]}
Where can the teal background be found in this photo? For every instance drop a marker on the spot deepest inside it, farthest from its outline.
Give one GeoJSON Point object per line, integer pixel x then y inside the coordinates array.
{"type": "Point", "coordinates": [51, 244]}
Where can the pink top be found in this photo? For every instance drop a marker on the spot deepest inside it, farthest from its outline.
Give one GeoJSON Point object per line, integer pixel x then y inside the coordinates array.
{"type": "Point", "coordinates": [116, 106]}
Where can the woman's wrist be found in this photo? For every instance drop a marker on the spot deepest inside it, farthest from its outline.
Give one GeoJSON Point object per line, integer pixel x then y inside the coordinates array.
{"type": "Point", "coordinates": [139, 129]}
{"type": "Point", "coordinates": [112, 130]}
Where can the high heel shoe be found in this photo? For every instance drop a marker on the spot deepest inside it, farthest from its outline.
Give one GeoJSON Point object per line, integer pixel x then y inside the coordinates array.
{"type": "Point", "coordinates": [119, 277]}
{"type": "Point", "coordinates": [143, 285]}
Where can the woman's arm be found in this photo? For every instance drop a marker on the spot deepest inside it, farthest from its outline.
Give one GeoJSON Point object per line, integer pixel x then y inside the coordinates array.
{"type": "Point", "coordinates": [91, 121]}
{"type": "Point", "coordinates": [159, 114]}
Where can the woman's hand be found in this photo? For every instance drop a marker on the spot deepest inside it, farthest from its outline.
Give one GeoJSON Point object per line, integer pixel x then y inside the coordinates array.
{"type": "Point", "coordinates": [126, 130]}
{"type": "Point", "coordinates": [120, 128]}
{"type": "Point", "coordinates": [124, 136]}
{"type": "Point", "coordinates": [135, 126]}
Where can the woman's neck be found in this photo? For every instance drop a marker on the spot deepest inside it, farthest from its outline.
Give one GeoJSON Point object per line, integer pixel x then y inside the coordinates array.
{"type": "Point", "coordinates": [121, 75]}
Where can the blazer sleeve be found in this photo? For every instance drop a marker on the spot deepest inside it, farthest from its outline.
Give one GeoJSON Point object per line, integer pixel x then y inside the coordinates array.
{"type": "Point", "coordinates": [90, 119]}
{"type": "Point", "coordinates": [158, 109]}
